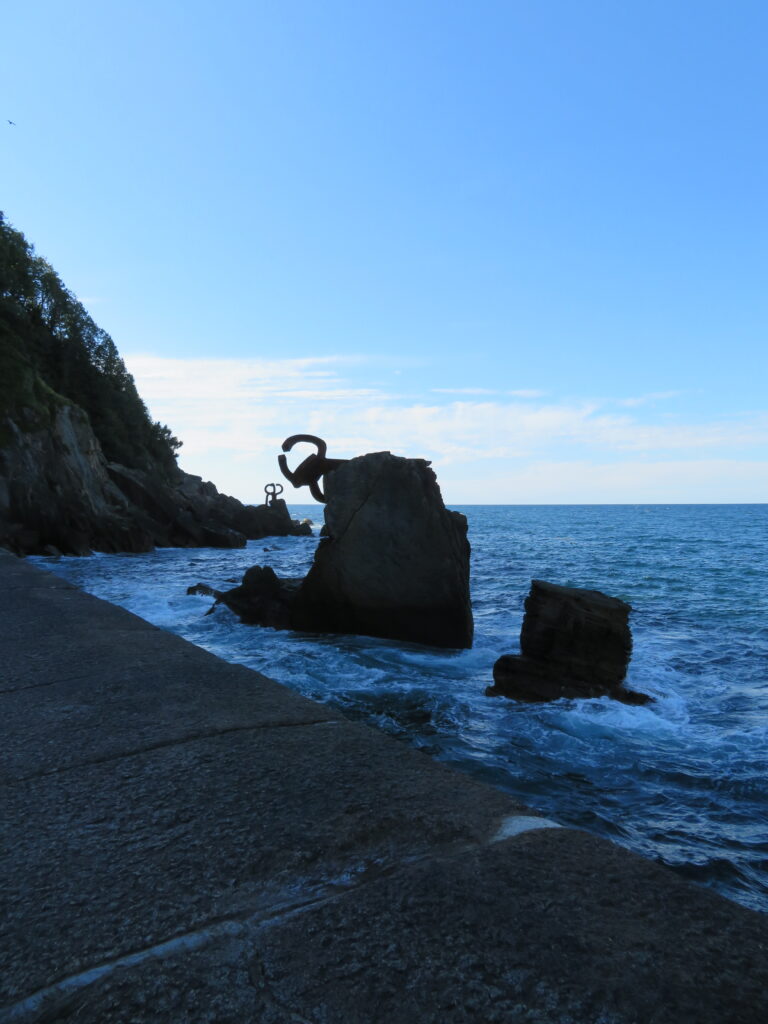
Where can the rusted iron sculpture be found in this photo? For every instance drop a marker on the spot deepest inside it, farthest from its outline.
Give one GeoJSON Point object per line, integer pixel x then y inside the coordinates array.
{"type": "Point", "coordinates": [310, 471]}
{"type": "Point", "coordinates": [272, 491]}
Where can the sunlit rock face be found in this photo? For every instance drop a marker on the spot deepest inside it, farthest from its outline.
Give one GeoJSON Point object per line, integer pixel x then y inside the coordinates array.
{"type": "Point", "coordinates": [394, 562]}
{"type": "Point", "coordinates": [574, 643]}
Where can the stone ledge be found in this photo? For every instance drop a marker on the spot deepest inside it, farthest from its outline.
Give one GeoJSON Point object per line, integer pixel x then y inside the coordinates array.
{"type": "Point", "coordinates": [290, 865]}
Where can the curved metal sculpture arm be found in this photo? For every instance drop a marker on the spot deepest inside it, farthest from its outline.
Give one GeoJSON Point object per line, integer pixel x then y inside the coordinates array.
{"type": "Point", "coordinates": [312, 468]}
{"type": "Point", "coordinates": [317, 494]}
{"type": "Point", "coordinates": [295, 439]}
{"type": "Point", "coordinates": [283, 464]}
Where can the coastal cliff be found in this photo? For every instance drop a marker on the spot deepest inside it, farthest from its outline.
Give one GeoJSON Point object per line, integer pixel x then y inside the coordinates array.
{"type": "Point", "coordinates": [82, 465]}
{"type": "Point", "coordinates": [58, 493]}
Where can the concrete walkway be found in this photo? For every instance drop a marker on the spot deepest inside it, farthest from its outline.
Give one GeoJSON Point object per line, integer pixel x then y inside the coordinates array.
{"type": "Point", "coordinates": [184, 840]}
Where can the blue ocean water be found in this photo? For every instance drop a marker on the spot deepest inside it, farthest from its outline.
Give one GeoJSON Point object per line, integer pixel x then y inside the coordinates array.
{"type": "Point", "coordinates": [683, 780]}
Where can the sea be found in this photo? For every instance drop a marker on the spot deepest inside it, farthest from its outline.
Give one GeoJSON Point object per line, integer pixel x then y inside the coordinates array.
{"type": "Point", "coordinates": [683, 781]}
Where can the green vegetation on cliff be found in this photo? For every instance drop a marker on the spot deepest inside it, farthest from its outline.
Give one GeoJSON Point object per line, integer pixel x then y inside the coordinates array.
{"type": "Point", "coordinates": [52, 351]}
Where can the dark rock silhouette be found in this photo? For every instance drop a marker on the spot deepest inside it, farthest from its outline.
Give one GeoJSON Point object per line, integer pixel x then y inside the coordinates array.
{"type": "Point", "coordinates": [574, 643]}
{"type": "Point", "coordinates": [262, 599]}
{"type": "Point", "coordinates": [82, 465]}
{"type": "Point", "coordinates": [253, 521]}
{"type": "Point", "coordinates": [58, 494]}
{"type": "Point", "coordinates": [393, 562]}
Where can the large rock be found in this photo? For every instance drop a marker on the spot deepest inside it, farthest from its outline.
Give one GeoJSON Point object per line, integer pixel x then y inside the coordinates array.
{"type": "Point", "coordinates": [574, 643]}
{"type": "Point", "coordinates": [394, 562]}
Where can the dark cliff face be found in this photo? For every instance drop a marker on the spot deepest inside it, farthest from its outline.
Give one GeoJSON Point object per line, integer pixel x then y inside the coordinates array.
{"type": "Point", "coordinates": [52, 352]}
{"type": "Point", "coordinates": [82, 465]}
{"type": "Point", "coordinates": [55, 492]}
{"type": "Point", "coordinates": [58, 493]}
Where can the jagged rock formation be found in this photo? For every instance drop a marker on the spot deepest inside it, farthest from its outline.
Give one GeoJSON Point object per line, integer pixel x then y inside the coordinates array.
{"type": "Point", "coordinates": [82, 465]}
{"type": "Point", "coordinates": [393, 562]}
{"type": "Point", "coordinates": [58, 493]}
{"type": "Point", "coordinates": [55, 492]}
{"type": "Point", "coordinates": [574, 643]}
{"type": "Point", "coordinates": [262, 599]}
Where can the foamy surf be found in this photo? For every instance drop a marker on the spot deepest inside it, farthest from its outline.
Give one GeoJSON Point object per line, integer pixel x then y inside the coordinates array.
{"type": "Point", "coordinates": [682, 779]}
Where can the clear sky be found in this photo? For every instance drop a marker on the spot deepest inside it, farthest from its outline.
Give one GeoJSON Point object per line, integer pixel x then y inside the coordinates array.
{"type": "Point", "coordinates": [527, 240]}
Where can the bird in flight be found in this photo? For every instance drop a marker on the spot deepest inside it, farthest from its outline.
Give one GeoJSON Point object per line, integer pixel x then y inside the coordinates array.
{"type": "Point", "coordinates": [11, 122]}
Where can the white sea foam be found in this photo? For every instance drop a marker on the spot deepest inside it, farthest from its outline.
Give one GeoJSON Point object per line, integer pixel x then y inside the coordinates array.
{"type": "Point", "coordinates": [683, 778]}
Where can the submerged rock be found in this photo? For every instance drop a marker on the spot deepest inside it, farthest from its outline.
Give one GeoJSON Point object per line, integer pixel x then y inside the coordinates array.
{"type": "Point", "coordinates": [574, 643]}
{"type": "Point", "coordinates": [262, 599]}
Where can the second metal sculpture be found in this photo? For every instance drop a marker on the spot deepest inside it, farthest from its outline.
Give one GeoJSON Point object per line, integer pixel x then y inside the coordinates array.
{"type": "Point", "coordinates": [272, 491]}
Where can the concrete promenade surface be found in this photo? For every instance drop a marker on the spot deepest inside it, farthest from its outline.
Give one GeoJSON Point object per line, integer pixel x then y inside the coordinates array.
{"type": "Point", "coordinates": [184, 840]}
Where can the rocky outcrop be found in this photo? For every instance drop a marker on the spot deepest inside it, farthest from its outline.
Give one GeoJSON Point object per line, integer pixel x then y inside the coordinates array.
{"type": "Point", "coordinates": [58, 494]}
{"type": "Point", "coordinates": [573, 643]}
{"type": "Point", "coordinates": [189, 512]}
{"type": "Point", "coordinates": [253, 521]}
{"type": "Point", "coordinates": [393, 562]}
{"type": "Point", "coordinates": [262, 599]}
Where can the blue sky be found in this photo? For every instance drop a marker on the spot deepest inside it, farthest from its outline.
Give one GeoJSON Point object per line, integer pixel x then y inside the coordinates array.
{"type": "Point", "coordinates": [526, 240]}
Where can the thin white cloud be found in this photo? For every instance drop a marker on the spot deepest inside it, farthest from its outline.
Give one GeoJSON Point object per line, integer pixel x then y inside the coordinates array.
{"type": "Point", "coordinates": [326, 395]}
{"type": "Point", "coordinates": [654, 396]}
{"type": "Point", "coordinates": [233, 415]}
{"type": "Point", "coordinates": [463, 391]}
{"type": "Point", "coordinates": [166, 378]}
{"type": "Point", "coordinates": [239, 376]}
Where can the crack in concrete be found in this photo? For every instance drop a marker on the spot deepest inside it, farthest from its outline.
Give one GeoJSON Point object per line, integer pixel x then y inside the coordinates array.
{"type": "Point", "coordinates": [150, 748]}
{"type": "Point", "coordinates": [234, 926]}
{"type": "Point", "coordinates": [36, 686]}
{"type": "Point", "coordinates": [134, 667]}
{"type": "Point", "coordinates": [249, 922]}
{"type": "Point", "coordinates": [51, 682]}
{"type": "Point", "coordinates": [28, 585]}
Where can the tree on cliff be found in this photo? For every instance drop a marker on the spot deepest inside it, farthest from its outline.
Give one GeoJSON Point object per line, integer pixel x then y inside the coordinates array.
{"type": "Point", "coordinates": [49, 342]}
